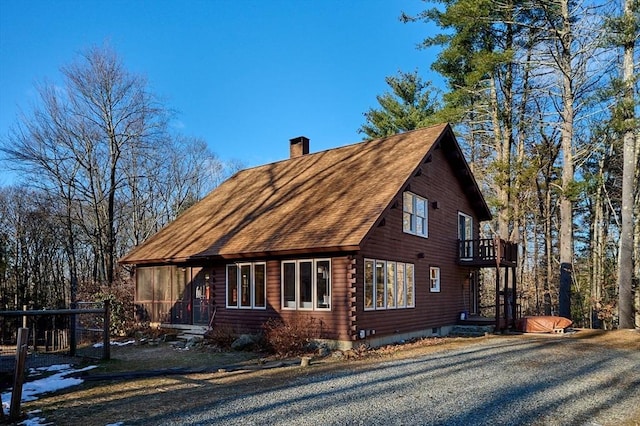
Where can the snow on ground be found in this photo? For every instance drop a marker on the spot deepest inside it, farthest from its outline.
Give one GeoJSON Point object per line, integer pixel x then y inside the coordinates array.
{"type": "Point", "coordinates": [50, 383]}
{"type": "Point", "coordinates": [34, 420]}
{"type": "Point", "coordinates": [128, 342]}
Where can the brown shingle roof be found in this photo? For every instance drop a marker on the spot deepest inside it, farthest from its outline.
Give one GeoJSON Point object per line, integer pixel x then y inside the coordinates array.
{"type": "Point", "coordinates": [317, 202]}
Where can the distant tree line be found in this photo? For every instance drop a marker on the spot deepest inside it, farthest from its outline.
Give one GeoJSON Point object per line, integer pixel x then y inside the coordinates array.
{"type": "Point", "coordinates": [101, 170]}
{"type": "Point", "coordinates": [544, 97]}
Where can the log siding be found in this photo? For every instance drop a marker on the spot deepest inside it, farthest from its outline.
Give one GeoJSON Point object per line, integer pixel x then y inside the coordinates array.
{"type": "Point", "coordinates": [389, 242]}
{"type": "Point", "coordinates": [345, 205]}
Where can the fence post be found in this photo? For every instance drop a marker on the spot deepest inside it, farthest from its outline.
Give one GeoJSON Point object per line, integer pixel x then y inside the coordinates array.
{"type": "Point", "coordinates": [72, 331]}
{"type": "Point", "coordinates": [18, 378]}
{"type": "Point", "coordinates": [106, 343]}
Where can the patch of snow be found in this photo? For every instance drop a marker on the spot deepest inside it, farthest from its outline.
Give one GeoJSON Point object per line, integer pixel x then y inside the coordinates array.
{"type": "Point", "coordinates": [52, 383]}
{"type": "Point", "coordinates": [35, 421]}
{"type": "Point", "coordinates": [128, 342]}
{"type": "Point", "coordinates": [55, 367]}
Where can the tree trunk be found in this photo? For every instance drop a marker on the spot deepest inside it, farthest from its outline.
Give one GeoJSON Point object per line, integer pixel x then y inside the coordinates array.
{"type": "Point", "coordinates": [636, 236]}
{"type": "Point", "coordinates": [597, 247]}
{"type": "Point", "coordinates": [548, 244]}
{"type": "Point", "coordinates": [566, 132]}
{"type": "Point", "coordinates": [503, 151]}
{"type": "Point", "coordinates": [625, 259]}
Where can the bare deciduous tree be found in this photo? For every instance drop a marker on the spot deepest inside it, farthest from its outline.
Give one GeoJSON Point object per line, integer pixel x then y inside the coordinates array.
{"type": "Point", "coordinates": [98, 146]}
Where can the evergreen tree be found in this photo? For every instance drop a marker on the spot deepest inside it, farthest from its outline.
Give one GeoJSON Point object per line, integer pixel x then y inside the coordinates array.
{"type": "Point", "coordinates": [411, 104]}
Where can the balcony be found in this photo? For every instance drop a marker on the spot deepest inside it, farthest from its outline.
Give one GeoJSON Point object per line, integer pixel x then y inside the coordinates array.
{"type": "Point", "coordinates": [487, 252]}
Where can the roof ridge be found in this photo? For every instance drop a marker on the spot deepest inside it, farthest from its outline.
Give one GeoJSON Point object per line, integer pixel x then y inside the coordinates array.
{"type": "Point", "coordinates": [315, 201]}
{"type": "Point", "coordinates": [348, 145]}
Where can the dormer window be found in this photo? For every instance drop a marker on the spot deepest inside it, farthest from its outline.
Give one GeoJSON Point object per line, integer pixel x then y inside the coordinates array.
{"type": "Point", "coordinates": [414, 220]}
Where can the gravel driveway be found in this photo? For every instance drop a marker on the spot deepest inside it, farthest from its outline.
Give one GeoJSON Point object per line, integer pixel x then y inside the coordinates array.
{"type": "Point", "coordinates": [500, 380]}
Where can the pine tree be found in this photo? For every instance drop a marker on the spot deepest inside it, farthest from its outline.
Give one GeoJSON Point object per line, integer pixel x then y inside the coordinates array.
{"type": "Point", "coordinates": [411, 104]}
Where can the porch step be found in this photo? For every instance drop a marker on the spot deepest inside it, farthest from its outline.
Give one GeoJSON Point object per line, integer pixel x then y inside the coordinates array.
{"type": "Point", "coordinates": [187, 328]}
{"type": "Point", "coordinates": [185, 332]}
{"type": "Point", "coordinates": [188, 336]}
{"type": "Point", "coordinates": [471, 330]}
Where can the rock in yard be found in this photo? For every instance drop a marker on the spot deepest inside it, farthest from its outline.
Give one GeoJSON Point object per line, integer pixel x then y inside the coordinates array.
{"type": "Point", "coordinates": [243, 342]}
{"type": "Point", "coordinates": [323, 351]}
{"type": "Point", "coordinates": [177, 344]}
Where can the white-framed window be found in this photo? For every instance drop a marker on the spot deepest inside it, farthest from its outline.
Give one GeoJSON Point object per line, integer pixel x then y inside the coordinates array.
{"type": "Point", "coordinates": [246, 285]}
{"type": "Point", "coordinates": [414, 218]}
{"type": "Point", "coordinates": [465, 235]}
{"type": "Point", "coordinates": [391, 285]}
{"type": "Point", "coordinates": [306, 284]}
{"type": "Point", "coordinates": [409, 274]}
{"type": "Point", "coordinates": [388, 285]}
{"type": "Point", "coordinates": [434, 279]}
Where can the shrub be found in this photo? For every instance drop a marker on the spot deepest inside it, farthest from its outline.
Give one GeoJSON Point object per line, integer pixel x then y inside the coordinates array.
{"type": "Point", "coordinates": [120, 296]}
{"type": "Point", "coordinates": [291, 337]}
{"type": "Point", "coordinates": [222, 336]}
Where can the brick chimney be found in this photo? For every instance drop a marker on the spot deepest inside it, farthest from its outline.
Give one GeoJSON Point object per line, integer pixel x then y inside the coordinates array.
{"type": "Point", "coordinates": [299, 146]}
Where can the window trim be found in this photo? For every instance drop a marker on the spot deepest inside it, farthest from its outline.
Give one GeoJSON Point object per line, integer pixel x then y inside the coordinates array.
{"type": "Point", "coordinates": [315, 302]}
{"type": "Point", "coordinates": [413, 215]}
{"type": "Point", "coordinates": [252, 285]}
{"type": "Point", "coordinates": [437, 278]}
{"type": "Point", "coordinates": [407, 304]}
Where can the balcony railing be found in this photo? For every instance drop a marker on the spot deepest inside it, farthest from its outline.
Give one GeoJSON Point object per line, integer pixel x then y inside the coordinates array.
{"type": "Point", "coordinates": [488, 251]}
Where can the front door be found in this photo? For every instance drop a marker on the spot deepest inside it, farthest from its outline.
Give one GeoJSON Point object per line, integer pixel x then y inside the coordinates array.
{"type": "Point", "coordinates": [181, 292]}
{"type": "Point", "coordinates": [201, 296]}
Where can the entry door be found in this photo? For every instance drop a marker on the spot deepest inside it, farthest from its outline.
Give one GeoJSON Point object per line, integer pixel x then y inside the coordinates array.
{"type": "Point", "coordinates": [201, 296]}
{"type": "Point", "coordinates": [180, 311]}
{"type": "Point", "coordinates": [474, 292]}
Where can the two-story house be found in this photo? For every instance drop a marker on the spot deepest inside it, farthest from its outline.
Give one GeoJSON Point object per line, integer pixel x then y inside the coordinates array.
{"type": "Point", "coordinates": [377, 240]}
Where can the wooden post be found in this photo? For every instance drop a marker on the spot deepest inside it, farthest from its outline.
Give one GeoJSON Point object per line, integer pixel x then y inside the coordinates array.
{"type": "Point", "coordinates": [514, 298]}
{"type": "Point", "coordinates": [72, 331]}
{"type": "Point", "coordinates": [18, 378]}
{"type": "Point", "coordinates": [497, 300]}
{"type": "Point", "coordinates": [506, 298]}
{"type": "Point", "coordinates": [106, 343]}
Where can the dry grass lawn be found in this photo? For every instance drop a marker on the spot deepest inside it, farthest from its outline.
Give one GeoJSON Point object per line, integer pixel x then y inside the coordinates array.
{"type": "Point", "coordinates": [106, 401]}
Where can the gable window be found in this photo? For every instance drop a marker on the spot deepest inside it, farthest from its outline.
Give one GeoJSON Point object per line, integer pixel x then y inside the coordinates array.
{"type": "Point", "coordinates": [306, 284]}
{"type": "Point", "coordinates": [434, 279]}
{"type": "Point", "coordinates": [246, 286]}
{"type": "Point", "coordinates": [465, 234]}
{"type": "Point", "coordinates": [388, 285]}
{"type": "Point", "coordinates": [414, 219]}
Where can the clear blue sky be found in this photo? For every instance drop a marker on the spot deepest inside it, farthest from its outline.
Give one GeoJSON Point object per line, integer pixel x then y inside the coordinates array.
{"type": "Point", "coordinates": [245, 75]}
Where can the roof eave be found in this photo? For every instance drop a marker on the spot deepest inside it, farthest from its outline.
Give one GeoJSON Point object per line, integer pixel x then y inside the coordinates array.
{"type": "Point", "coordinates": [469, 183]}
{"type": "Point", "coordinates": [243, 255]}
